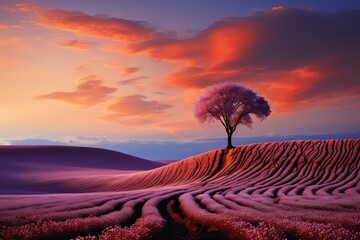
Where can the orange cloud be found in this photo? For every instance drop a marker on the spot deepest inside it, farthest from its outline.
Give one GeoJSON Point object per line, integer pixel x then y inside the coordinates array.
{"type": "Point", "coordinates": [190, 51]}
{"type": "Point", "coordinates": [79, 45]}
{"type": "Point", "coordinates": [296, 57]}
{"type": "Point", "coordinates": [101, 26]}
{"type": "Point", "coordinates": [82, 68]}
{"type": "Point", "coordinates": [3, 26]}
{"type": "Point", "coordinates": [277, 8]}
{"type": "Point", "coordinates": [220, 43]}
{"type": "Point", "coordinates": [132, 80]}
{"type": "Point", "coordinates": [137, 105]}
{"type": "Point", "coordinates": [286, 89]}
{"type": "Point", "coordinates": [130, 70]}
{"type": "Point", "coordinates": [123, 70]}
{"type": "Point", "coordinates": [20, 7]}
{"type": "Point", "coordinates": [89, 91]}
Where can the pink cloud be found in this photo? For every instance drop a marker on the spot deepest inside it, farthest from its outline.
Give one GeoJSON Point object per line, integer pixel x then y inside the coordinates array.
{"type": "Point", "coordinates": [4, 26]}
{"type": "Point", "coordinates": [137, 105]}
{"type": "Point", "coordinates": [296, 57]}
{"type": "Point", "coordinates": [123, 70]}
{"type": "Point", "coordinates": [132, 80]}
{"type": "Point", "coordinates": [130, 70]}
{"type": "Point", "coordinates": [277, 8]}
{"type": "Point", "coordinates": [19, 7]}
{"type": "Point", "coordinates": [80, 45]}
{"type": "Point", "coordinates": [191, 50]}
{"type": "Point", "coordinates": [101, 26]}
{"type": "Point", "coordinates": [89, 91]}
{"type": "Point", "coordinates": [83, 68]}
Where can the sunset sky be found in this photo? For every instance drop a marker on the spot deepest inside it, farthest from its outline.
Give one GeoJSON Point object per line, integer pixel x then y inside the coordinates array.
{"type": "Point", "coordinates": [125, 75]}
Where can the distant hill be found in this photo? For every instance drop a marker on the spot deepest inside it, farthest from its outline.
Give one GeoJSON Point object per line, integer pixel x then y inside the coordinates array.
{"type": "Point", "coordinates": [74, 157]}
{"type": "Point", "coordinates": [30, 168]}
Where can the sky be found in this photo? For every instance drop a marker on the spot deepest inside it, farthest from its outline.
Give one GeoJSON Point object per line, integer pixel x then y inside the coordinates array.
{"type": "Point", "coordinates": [125, 75]}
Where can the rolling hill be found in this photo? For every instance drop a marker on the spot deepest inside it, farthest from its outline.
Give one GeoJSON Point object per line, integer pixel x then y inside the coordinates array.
{"type": "Point", "coordinates": [280, 190]}
{"type": "Point", "coordinates": [21, 166]}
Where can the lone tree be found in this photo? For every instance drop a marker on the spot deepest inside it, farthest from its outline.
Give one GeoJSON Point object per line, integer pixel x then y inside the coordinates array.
{"type": "Point", "coordinates": [232, 104]}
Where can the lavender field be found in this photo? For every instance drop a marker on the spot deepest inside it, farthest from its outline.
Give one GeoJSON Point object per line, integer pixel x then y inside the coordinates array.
{"type": "Point", "coordinates": [280, 190]}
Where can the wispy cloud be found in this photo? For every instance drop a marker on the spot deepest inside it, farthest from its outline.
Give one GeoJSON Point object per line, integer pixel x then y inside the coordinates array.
{"type": "Point", "coordinates": [19, 7]}
{"type": "Point", "coordinates": [83, 68]}
{"type": "Point", "coordinates": [89, 91]}
{"type": "Point", "coordinates": [131, 81]}
{"type": "Point", "coordinates": [101, 26]}
{"type": "Point", "coordinates": [137, 105]}
{"type": "Point", "coordinates": [5, 26]}
{"type": "Point", "coordinates": [277, 8]}
{"type": "Point", "coordinates": [79, 45]}
{"type": "Point", "coordinates": [130, 70]}
{"type": "Point", "coordinates": [123, 70]}
{"type": "Point", "coordinates": [136, 110]}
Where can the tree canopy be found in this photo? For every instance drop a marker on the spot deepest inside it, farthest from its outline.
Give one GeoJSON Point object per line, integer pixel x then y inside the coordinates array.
{"type": "Point", "coordinates": [232, 104]}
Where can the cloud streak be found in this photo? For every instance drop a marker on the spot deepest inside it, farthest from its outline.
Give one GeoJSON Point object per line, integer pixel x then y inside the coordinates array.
{"type": "Point", "coordinates": [123, 70]}
{"type": "Point", "coordinates": [79, 45]}
{"type": "Point", "coordinates": [20, 7]}
{"type": "Point", "coordinates": [4, 26]}
{"type": "Point", "coordinates": [82, 68]}
{"type": "Point", "coordinates": [131, 81]}
{"type": "Point", "coordinates": [137, 105]}
{"type": "Point", "coordinates": [89, 91]}
{"type": "Point", "coordinates": [101, 26]}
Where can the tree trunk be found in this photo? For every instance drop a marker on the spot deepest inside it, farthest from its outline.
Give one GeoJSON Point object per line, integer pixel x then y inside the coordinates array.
{"type": "Point", "coordinates": [229, 144]}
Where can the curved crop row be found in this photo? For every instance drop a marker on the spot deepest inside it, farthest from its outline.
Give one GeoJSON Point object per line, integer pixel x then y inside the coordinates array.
{"type": "Point", "coordinates": [297, 190]}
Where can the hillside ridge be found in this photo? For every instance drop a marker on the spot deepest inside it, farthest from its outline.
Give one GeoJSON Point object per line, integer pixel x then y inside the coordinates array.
{"type": "Point", "coordinates": [321, 161]}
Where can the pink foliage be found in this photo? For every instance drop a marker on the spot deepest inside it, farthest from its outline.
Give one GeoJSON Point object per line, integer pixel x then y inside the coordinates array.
{"type": "Point", "coordinates": [231, 102]}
